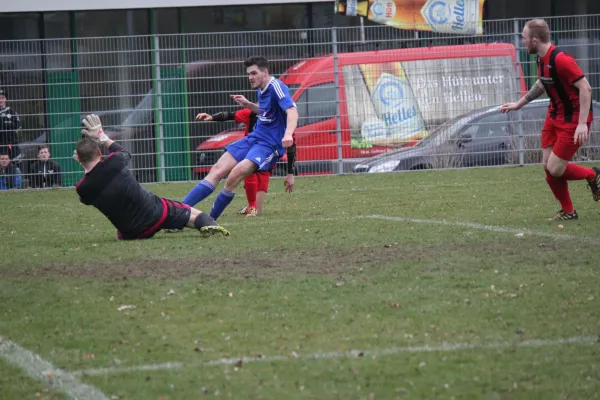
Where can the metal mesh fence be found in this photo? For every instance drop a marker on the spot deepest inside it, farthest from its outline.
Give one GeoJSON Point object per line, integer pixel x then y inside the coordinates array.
{"type": "Point", "coordinates": [370, 99]}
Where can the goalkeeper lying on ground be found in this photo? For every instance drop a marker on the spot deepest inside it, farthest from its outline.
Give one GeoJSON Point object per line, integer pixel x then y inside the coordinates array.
{"type": "Point", "coordinates": [110, 186]}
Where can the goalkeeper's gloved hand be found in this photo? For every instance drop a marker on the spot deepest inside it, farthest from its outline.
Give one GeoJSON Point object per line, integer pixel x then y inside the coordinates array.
{"type": "Point", "coordinates": [94, 128]}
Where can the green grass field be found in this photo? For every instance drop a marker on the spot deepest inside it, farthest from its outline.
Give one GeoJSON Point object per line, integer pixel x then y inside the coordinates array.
{"type": "Point", "coordinates": [334, 293]}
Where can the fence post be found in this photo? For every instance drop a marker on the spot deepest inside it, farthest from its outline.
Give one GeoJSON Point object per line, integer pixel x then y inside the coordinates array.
{"type": "Point", "coordinates": [518, 69]}
{"type": "Point", "coordinates": [338, 118]}
{"type": "Point", "coordinates": [158, 109]}
{"type": "Point", "coordinates": [362, 30]}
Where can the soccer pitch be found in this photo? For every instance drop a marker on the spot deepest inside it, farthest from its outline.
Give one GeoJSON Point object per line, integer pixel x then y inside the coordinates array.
{"type": "Point", "coordinates": [435, 284]}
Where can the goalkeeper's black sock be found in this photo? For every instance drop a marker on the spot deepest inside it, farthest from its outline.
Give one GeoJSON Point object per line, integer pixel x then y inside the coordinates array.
{"type": "Point", "coordinates": [204, 220]}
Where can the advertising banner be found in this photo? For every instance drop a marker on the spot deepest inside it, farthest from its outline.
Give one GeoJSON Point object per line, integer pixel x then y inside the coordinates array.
{"type": "Point", "coordinates": [462, 17]}
{"type": "Point", "coordinates": [394, 103]}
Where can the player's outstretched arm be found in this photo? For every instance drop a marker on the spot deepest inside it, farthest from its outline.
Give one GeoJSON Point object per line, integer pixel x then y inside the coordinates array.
{"type": "Point", "coordinates": [244, 102]}
{"type": "Point", "coordinates": [220, 116]}
{"type": "Point", "coordinates": [93, 130]}
{"type": "Point", "coordinates": [536, 91]}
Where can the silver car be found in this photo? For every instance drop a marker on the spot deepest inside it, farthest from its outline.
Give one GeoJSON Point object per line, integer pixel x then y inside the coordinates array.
{"type": "Point", "coordinates": [483, 137]}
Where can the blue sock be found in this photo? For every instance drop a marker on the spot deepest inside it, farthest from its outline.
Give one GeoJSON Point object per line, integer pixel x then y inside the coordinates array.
{"type": "Point", "coordinates": [201, 191]}
{"type": "Point", "coordinates": [222, 201]}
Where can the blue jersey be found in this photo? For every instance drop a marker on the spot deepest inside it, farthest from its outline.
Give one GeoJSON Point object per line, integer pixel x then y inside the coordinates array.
{"type": "Point", "coordinates": [273, 101]}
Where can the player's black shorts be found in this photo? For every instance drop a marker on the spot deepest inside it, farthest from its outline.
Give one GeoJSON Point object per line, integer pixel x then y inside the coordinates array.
{"type": "Point", "coordinates": [178, 215]}
{"type": "Point", "coordinates": [175, 216]}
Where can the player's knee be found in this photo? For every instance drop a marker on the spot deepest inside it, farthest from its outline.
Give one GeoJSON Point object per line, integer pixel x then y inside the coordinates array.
{"type": "Point", "coordinates": [219, 170]}
{"type": "Point", "coordinates": [235, 178]}
{"type": "Point", "coordinates": [554, 169]}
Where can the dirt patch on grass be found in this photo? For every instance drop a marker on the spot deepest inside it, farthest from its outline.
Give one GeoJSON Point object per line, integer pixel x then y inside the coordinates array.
{"type": "Point", "coordinates": [325, 261]}
{"type": "Point", "coordinates": [245, 266]}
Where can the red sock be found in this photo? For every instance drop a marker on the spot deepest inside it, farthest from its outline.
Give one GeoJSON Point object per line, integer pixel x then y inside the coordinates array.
{"type": "Point", "coordinates": [251, 186]}
{"type": "Point", "coordinates": [560, 188]}
{"type": "Point", "coordinates": [575, 172]}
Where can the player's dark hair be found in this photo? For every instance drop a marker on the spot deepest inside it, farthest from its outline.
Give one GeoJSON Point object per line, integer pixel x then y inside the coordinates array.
{"type": "Point", "coordinates": [42, 147]}
{"type": "Point", "coordinates": [538, 28]}
{"type": "Point", "coordinates": [261, 62]}
{"type": "Point", "coordinates": [87, 149]}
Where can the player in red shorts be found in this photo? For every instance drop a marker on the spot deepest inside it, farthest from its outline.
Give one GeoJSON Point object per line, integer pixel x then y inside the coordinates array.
{"type": "Point", "coordinates": [257, 184]}
{"type": "Point", "coordinates": [569, 116]}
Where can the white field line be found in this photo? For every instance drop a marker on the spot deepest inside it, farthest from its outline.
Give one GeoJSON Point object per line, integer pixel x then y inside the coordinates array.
{"type": "Point", "coordinates": [470, 225]}
{"type": "Point", "coordinates": [473, 225]}
{"type": "Point", "coordinates": [42, 370]}
{"type": "Point", "coordinates": [460, 224]}
{"type": "Point", "coordinates": [446, 347]}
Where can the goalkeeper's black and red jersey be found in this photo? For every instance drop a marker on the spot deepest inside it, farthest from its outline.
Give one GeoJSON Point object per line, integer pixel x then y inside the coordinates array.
{"type": "Point", "coordinates": [113, 190]}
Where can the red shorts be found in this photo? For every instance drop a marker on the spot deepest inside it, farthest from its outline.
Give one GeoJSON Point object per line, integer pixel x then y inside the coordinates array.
{"type": "Point", "coordinates": [261, 179]}
{"type": "Point", "coordinates": [560, 136]}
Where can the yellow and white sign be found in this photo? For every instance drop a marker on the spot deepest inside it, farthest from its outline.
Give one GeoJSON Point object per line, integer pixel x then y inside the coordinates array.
{"type": "Point", "coordinates": [445, 16]}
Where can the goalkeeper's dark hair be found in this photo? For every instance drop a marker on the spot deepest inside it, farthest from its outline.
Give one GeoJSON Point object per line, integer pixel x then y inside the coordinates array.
{"type": "Point", "coordinates": [261, 62]}
{"type": "Point", "coordinates": [87, 150]}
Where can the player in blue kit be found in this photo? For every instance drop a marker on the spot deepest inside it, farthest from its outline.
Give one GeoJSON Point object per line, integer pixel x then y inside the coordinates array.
{"type": "Point", "coordinates": [262, 148]}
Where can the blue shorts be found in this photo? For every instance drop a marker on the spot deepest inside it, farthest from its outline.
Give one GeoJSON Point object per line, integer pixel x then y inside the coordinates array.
{"type": "Point", "coordinates": [263, 155]}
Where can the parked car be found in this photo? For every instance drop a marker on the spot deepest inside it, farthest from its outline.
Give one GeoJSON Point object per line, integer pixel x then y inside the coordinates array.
{"type": "Point", "coordinates": [483, 137]}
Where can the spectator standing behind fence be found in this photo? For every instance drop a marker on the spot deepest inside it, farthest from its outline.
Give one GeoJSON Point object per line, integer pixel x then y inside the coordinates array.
{"type": "Point", "coordinates": [45, 172]}
{"type": "Point", "coordinates": [10, 175]}
{"type": "Point", "coordinates": [10, 123]}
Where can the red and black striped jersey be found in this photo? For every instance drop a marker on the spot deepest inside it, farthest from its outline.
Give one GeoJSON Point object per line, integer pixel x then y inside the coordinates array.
{"type": "Point", "coordinates": [558, 72]}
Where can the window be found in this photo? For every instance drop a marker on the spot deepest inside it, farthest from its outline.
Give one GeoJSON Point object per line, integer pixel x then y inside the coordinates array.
{"type": "Point", "coordinates": [114, 72]}
{"type": "Point", "coordinates": [167, 23]}
{"type": "Point", "coordinates": [59, 50]}
{"type": "Point", "coordinates": [495, 125]}
{"type": "Point", "coordinates": [111, 23]}
{"type": "Point", "coordinates": [288, 16]}
{"type": "Point", "coordinates": [537, 113]}
{"type": "Point", "coordinates": [317, 103]}
{"type": "Point", "coordinates": [167, 20]}
{"type": "Point", "coordinates": [533, 119]}
{"type": "Point", "coordinates": [236, 18]}
{"type": "Point", "coordinates": [56, 25]}
{"type": "Point", "coordinates": [219, 19]}
{"type": "Point", "coordinates": [19, 26]}
{"type": "Point", "coordinates": [323, 16]}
